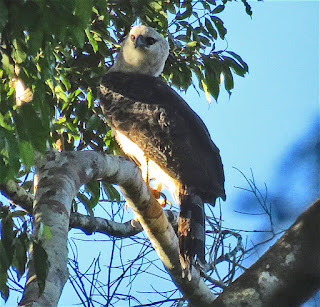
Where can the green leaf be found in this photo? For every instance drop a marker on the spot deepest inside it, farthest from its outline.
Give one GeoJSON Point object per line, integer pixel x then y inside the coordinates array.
{"type": "Point", "coordinates": [44, 232]}
{"type": "Point", "coordinates": [210, 28]}
{"type": "Point", "coordinates": [93, 122]}
{"type": "Point", "coordinates": [235, 66]}
{"type": "Point", "coordinates": [89, 98]}
{"type": "Point", "coordinates": [41, 265]}
{"type": "Point", "coordinates": [30, 127]}
{"type": "Point", "coordinates": [7, 238]}
{"type": "Point", "coordinates": [240, 60]}
{"type": "Point", "coordinates": [3, 15]}
{"type": "Point", "coordinates": [4, 289]}
{"type": "Point", "coordinates": [185, 14]}
{"type": "Point", "coordinates": [228, 80]}
{"type": "Point", "coordinates": [4, 261]}
{"type": "Point", "coordinates": [184, 24]}
{"type": "Point", "coordinates": [212, 84]}
{"type": "Point", "coordinates": [86, 202]}
{"type": "Point", "coordinates": [212, 76]}
{"type": "Point", "coordinates": [20, 256]}
{"type": "Point", "coordinates": [205, 5]}
{"type": "Point", "coordinates": [183, 38]}
{"type": "Point", "coordinates": [27, 154]}
{"type": "Point", "coordinates": [5, 122]}
{"type": "Point", "coordinates": [12, 148]}
{"type": "Point", "coordinates": [192, 44]}
{"type": "Point", "coordinates": [92, 41]}
{"type": "Point", "coordinates": [7, 64]}
{"type": "Point", "coordinates": [4, 169]}
{"type": "Point", "coordinates": [35, 41]}
{"type": "Point", "coordinates": [219, 25]}
{"type": "Point", "coordinates": [248, 7]}
{"type": "Point", "coordinates": [17, 54]}
{"type": "Point", "coordinates": [112, 192]}
{"type": "Point", "coordinates": [171, 8]}
{"type": "Point", "coordinates": [218, 9]}
{"type": "Point", "coordinates": [94, 189]}
{"type": "Point", "coordinates": [78, 36]}
{"type": "Point", "coordinates": [65, 82]}
{"type": "Point", "coordinates": [83, 10]}
{"type": "Point", "coordinates": [204, 40]}
{"type": "Point", "coordinates": [205, 88]}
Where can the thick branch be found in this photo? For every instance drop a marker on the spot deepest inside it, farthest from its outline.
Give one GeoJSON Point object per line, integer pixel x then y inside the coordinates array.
{"type": "Point", "coordinates": [290, 266]}
{"type": "Point", "coordinates": [60, 177]}
{"type": "Point", "coordinates": [287, 274]}
{"type": "Point", "coordinates": [17, 195]}
{"type": "Point", "coordinates": [88, 224]}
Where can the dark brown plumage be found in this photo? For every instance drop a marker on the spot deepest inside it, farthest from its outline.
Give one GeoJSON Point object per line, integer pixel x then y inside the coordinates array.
{"type": "Point", "coordinates": [152, 115]}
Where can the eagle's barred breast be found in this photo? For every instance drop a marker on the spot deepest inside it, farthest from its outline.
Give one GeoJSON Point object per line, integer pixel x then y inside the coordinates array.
{"type": "Point", "coordinates": [166, 129]}
{"type": "Point", "coordinates": [159, 130]}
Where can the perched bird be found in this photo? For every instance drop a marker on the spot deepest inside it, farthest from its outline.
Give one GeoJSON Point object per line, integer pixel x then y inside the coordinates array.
{"type": "Point", "coordinates": [166, 138]}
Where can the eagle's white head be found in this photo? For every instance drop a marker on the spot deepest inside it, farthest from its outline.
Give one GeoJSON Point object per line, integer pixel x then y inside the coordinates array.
{"type": "Point", "coordinates": [143, 51]}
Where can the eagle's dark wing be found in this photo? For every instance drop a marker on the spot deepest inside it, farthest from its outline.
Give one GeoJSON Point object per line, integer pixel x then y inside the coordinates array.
{"type": "Point", "coordinates": [162, 124]}
{"type": "Point", "coordinates": [152, 115]}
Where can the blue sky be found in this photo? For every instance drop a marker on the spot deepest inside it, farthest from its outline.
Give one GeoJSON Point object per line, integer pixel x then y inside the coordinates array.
{"type": "Point", "coordinates": [278, 100]}
{"type": "Point", "coordinates": [272, 107]}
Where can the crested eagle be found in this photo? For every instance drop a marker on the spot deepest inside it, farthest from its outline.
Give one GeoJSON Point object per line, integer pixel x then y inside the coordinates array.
{"type": "Point", "coordinates": [156, 128]}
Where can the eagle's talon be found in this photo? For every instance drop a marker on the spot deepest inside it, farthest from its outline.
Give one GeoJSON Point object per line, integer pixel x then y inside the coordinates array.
{"type": "Point", "coordinates": [157, 194]}
{"type": "Point", "coordinates": [135, 221]}
{"type": "Point", "coordinates": [163, 202]}
{"type": "Point", "coordinates": [126, 207]}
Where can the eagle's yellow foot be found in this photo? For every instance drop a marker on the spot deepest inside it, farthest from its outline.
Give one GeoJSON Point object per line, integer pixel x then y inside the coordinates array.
{"type": "Point", "coordinates": [135, 221]}
{"type": "Point", "coordinates": [161, 198]}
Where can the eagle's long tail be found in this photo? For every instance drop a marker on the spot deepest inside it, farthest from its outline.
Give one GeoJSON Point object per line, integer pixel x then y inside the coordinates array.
{"type": "Point", "coordinates": [191, 232]}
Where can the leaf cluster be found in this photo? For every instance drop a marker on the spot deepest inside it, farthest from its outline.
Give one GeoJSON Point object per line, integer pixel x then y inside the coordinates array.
{"type": "Point", "coordinates": [56, 51]}
{"type": "Point", "coordinates": [193, 34]}
{"type": "Point", "coordinates": [60, 49]}
{"type": "Point", "coordinates": [14, 244]}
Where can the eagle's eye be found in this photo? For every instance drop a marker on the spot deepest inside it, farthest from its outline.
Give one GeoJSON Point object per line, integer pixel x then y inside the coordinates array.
{"type": "Point", "coordinates": [150, 40]}
{"type": "Point", "coordinates": [133, 37]}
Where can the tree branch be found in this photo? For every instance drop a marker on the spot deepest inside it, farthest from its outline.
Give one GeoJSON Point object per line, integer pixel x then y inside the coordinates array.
{"type": "Point", "coordinates": [60, 177]}
{"type": "Point", "coordinates": [289, 266]}
{"type": "Point", "coordinates": [287, 274]}
{"type": "Point", "coordinates": [88, 224]}
{"type": "Point", "coordinates": [18, 195]}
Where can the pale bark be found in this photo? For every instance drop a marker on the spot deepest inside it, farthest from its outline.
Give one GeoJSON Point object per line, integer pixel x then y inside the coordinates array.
{"type": "Point", "coordinates": [60, 177]}
{"type": "Point", "coordinates": [287, 274]}
{"type": "Point", "coordinates": [88, 224]}
{"type": "Point", "coordinates": [17, 195]}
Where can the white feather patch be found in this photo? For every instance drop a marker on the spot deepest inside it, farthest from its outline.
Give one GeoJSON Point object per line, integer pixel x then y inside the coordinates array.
{"type": "Point", "coordinates": [148, 167]}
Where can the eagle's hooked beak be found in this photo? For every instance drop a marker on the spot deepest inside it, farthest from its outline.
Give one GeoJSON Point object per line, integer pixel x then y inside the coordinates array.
{"type": "Point", "coordinates": [140, 42]}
